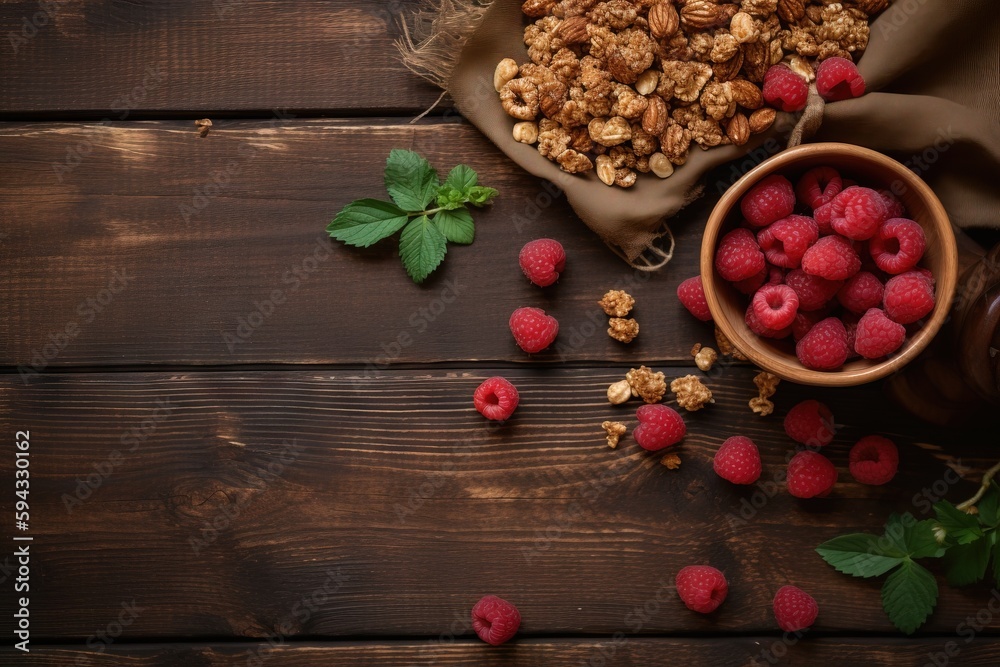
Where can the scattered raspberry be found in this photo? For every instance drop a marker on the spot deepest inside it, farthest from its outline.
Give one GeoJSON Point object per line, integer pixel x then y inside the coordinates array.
{"type": "Point", "coordinates": [794, 609]}
{"type": "Point", "coordinates": [898, 245]}
{"type": "Point", "coordinates": [702, 588]}
{"type": "Point", "coordinates": [751, 284]}
{"type": "Point", "coordinates": [833, 258]}
{"type": "Point", "coordinates": [874, 460]}
{"type": "Point", "coordinates": [496, 398]}
{"type": "Point", "coordinates": [810, 423]}
{"type": "Point", "coordinates": [877, 335]}
{"type": "Point", "coordinates": [861, 292]}
{"type": "Point", "coordinates": [824, 348]}
{"type": "Point", "coordinates": [771, 199]}
{"type": "Point", "coordinates": [814, 292]}
{"type": "Point", "coordinates": [542, 260]}
{"type": "Point", "coordinates": [786, 240]}
{"type": "Point", "coordinates": [819, 186]}
{"type": "Point", "coordinates": [893, 206]}
{"type": "Point", "coordinates": [659, 427]}
{"type": "Point", "coordinates": [810, 475]}
{"type": "Point", "coordinates": [784, 89]}
{"type": "Point", "coordinates": [691, 292]}
{"type": "Point", "coordinates": [908, 297]}
{"type": "Point", "coordinates": [775, 306]}
{"type": "Point", "coordinates": [839, 79]}
{"type": "Point", "coordinates": [738, 461]}
{"type": "Point", "coordinates": [495, 620]}
{"type": "Point", "coordinates": [738, 256]}
{"type": "Point", "coordinates": [533, 329]}
{"type": "Point", "coordinates": [806, 320]}
{"type": "Point", "coordinates": [756, 326]}
{"type": "Point", "coordinates": [857, 213]}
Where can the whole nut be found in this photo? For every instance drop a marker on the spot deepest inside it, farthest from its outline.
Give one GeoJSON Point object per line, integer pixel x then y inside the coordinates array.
{"type": "Point", "coordinates": [619, 392]}
{"type": "Point", "coordinates": [647, 82]}
{"type": "Point", "coordinates": [605, 172]}
{"type": "Point", "coordinates": [552, 96]}
{"type": "Point", "coordinates": [738, 129]}
{"type": "Point", "coordinates": [761, 119]}
{"type": "Point", "coordinates": [663, 20]}
{"type": "Point", "coordinates": [791, 11]}
{"type": "Point", "coordinates": [526, 132]}
{"type": "Point", "coordinates": [573, 30]}
{"type": "Point", "coordinates": [747, 94]}
{"type": "Point", "coordinates": [872, 7]}
{"type": "Point", "coordinates": [726, 71]}
{"type": "Point", "coordinates": [661, 165]}
{"type": "Point", "coordinates": [654, 120]}
{"type": "Point", "coordinates": [702, 14]}
{"type": "Point", "coordinates": [505, 71]}
{"type": "Point", "coordinates": [742, 27]}
{"type": "Point", "coordinates": [614, 132]}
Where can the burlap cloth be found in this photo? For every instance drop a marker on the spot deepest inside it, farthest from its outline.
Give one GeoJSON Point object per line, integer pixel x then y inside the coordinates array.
{"type": "Point", "coordinates": [932, 69]}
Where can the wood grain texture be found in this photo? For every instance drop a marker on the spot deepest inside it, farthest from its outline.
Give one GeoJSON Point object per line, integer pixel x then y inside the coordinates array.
{"type": "Point", "coordinates": [325, 504]}
{"type": "Point", "coordinates": [120, 58]}
{"type": "Point", "coordinates": [620, 652]}
{"type": "Point", "coordinates": [211, 233]}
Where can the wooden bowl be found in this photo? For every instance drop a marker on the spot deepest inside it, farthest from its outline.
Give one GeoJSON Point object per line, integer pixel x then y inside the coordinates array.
{"type": "Point", "coordinates": [871, 169]}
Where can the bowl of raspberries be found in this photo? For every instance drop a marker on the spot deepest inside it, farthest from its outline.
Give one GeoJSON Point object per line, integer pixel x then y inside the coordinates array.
{"type": "Point", "coordinates": [829, 264]}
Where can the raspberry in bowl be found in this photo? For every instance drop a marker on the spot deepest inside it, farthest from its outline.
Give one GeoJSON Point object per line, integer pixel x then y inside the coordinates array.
{"type": "Point", "coordinates": [829, 264]}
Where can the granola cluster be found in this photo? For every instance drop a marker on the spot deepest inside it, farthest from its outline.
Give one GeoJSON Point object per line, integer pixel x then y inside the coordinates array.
{"type": "Point", "coordinates": [627, 86]}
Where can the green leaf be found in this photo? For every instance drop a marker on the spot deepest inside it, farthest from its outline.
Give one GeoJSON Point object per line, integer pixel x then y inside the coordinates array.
{"type": "Point", "coordinates": [366, 221]}
{"type": "Point", "coordinates": [913, 538]}
{"type": "Point", "coordinates": [449, 198]}
{"type": "Point", "coordinates": [859, 555]}
{"type": "Point", "coordinates": [989, 507]}
{"type": "Point", "coordinates": [966, 563]}
{"type": "Point", "coordinates": [422, 247]}
{"type": "Point", "coordinates": [410, 180]}
{"type": "Point", "coordinates": [962, 528]}
{"type": "Point", "coordinates": [457, 225]}
{"type": "Point", "coordinates": [462, 178]}
{"type": "Point", "coordinates": [909, 595]}
{"type": "Point", "coordinates": [995, 548]}
{"type": "Point", "coordinates": [480, 196]}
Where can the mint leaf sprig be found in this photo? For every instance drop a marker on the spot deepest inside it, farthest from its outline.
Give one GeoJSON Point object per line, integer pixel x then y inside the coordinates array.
{"type": "Point", "coordinates": [429, 213]}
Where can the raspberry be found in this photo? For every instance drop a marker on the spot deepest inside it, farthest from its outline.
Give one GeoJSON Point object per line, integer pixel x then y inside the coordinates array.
{"type": "Point", "coordinates": [691, 292]}
{"type": "Point", "coordinates": [775, 275]}
{"type": "Point", "coordinates": [894, 208]}
{"type": "Point", "coordinates": [806, 320]}
{"type": "Point", "coordinates": [738, 256]}
{"type": "Point", "coordinates": [832, 257]}
{"type": "Point", "coordinates": [659, 427]}
{"type": "Point", "coordinates": [533, 329]}
{"type": "Point", "coordinates": [785, 241]}
{"type": "Point", "coordinates": [908, 297]}
{"type": "Point", "coordinates": [756, 326]}
{"type": "Point", "coordinates": [771, 199]}
{"type": "Point", "coordinates": [874, 460]}
{"type": "Point", "coordinates": [819, 186]}
{"type": "Point", "coordinates": [775, 306]}
{"type": "Point", "coordinates": [877, 335]}
{"type": "Point", "coordinates": [701, 587]}
{"type": "Point", "coordinates": [495, 620]}
{"type": "Point", "coordinates": [898, 245]}
{"type": "Point", "coordinates": [823, 215]}
{"type": "Point", "coordinates": [794, 609]}
{"type": "Point", "coordinates": [496, 398]}
{"type": "Point", "coordinates": [850, 321]}
{"type": "Point", "coordinates": [811, 423]}
{"type": "Point", "coordinates": [542, 260]}
{"type": "Point", "coordinates": [824, 348]}
{"type": "Point", "coordinates": [751, 284]}
{"type": "Point", "coordinates": [857, 213]}
{"type": "Point", "coordinates": [738, 461]}
{"type": "Point", "coordinates": [814, 292]}
{"type": "Point", "coordinates": [810, 475]}
{"type": "Point", "coordinates": [861, 292]}
{"type": "Point", "coordinates": [839, 79]}
{"type": "Point", "coordinates": [784, 89]}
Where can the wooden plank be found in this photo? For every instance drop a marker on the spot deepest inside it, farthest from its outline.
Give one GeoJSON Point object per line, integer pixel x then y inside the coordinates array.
{"type": "Point", "coordinates": [230, 504]}
{"type": "Point", "coordinates": [118, 58]}
{"type": "Point", "coordinates": [620, 651]}
{"type": "Point", "coordinates": [136, 255]}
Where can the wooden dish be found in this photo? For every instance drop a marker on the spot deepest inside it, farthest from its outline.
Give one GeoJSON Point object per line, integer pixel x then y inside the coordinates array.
{"type": "Point", "coordinates": [869, 168]}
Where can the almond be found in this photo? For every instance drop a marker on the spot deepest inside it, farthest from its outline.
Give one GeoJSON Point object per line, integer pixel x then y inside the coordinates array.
{"type": "Point", "coordinates": [761, 119]}
{"type": "Point", "coordinates": [791, 11]}
{"type": "Point", "coordinates": [746, 94]}
{"type": "Point", "coordinates": [702, 14]}
{"type": "Point", "coordinates": [663, 20]}
{"type": "Point", "coordinates": [654, 120]}
{"type": "Point", "coordinates": [573, 30]}
{"type": "Point", "coordinates": [726, 71]}
{"type": "Point", "coordinates": [738, 129]}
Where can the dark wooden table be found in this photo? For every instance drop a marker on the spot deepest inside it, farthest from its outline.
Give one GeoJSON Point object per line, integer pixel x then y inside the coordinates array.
{"type": "Point", "coordinates": [218, 478]}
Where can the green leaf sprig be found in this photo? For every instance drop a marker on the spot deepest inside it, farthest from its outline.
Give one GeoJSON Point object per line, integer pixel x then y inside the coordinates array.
{"type": "Point", "coordinates": [966, 537]}
{"type": "Point", "coordinates": [429, 212]}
